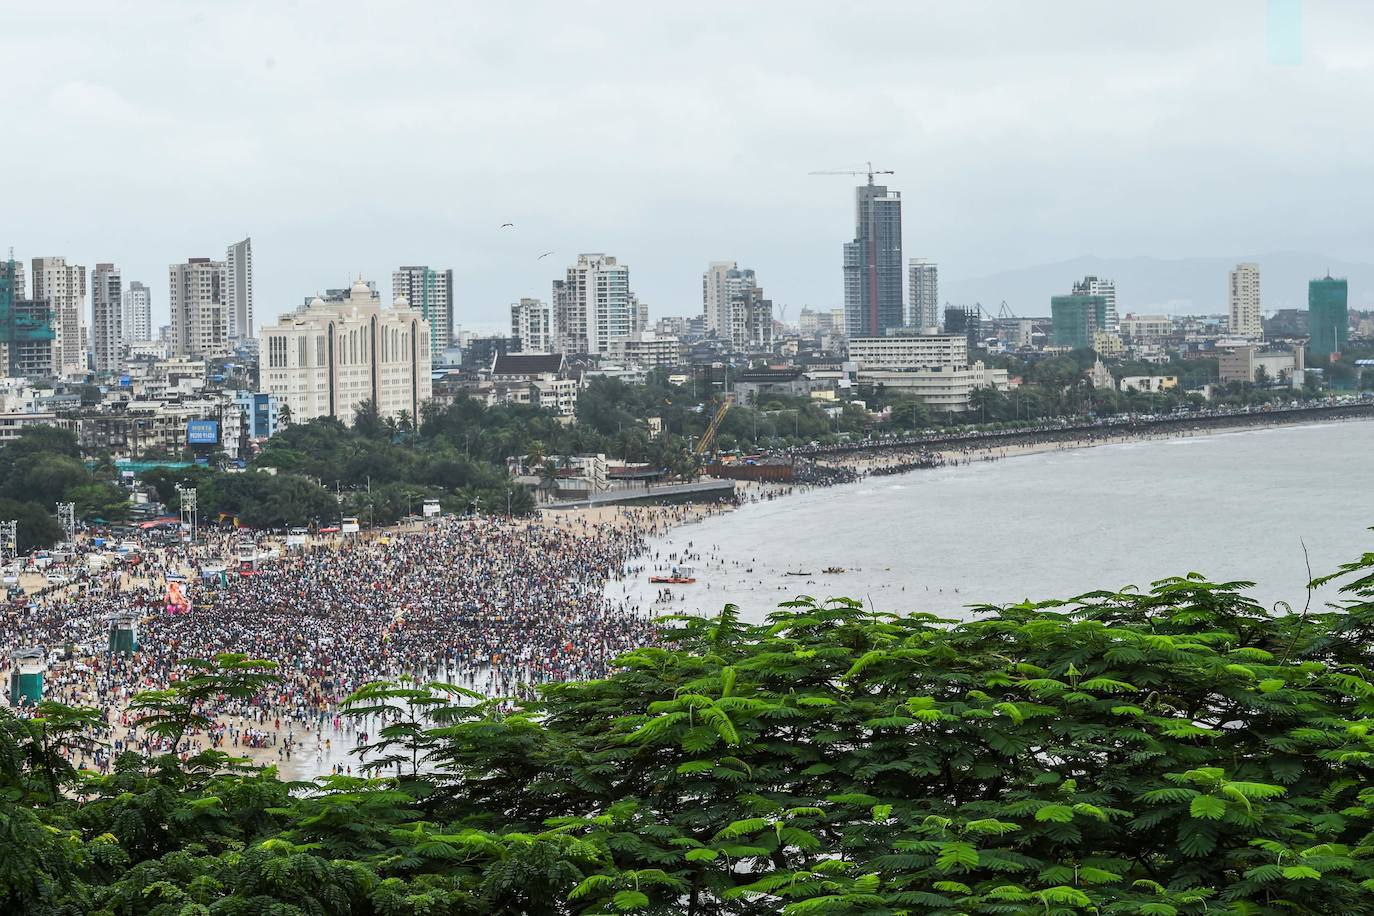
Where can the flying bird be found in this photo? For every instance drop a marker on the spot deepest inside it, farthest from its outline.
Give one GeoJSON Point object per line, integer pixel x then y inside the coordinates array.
{"type": "Point", "coordinates": [544, 255]}
{"type": "Point", "coordinates": [508, 225]}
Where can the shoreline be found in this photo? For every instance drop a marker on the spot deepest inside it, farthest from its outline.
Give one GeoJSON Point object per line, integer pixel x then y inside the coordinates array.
{"type": "Point", "coordinates": [880, 457]}
{"type": "Point", "coordinates": [647, 523]}
{"type": "Point", "coordinates": [882, 460]}
{"type": "Point", "coordinates": [893, 460]}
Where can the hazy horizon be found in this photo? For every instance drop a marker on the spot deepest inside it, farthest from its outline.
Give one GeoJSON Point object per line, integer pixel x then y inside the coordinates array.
{"type": "Point", "coordinates": [348, 138]}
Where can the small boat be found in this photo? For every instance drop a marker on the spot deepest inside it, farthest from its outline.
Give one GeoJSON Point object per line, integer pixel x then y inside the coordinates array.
{"type": "Point", "coordinates": [680, 575]}
{"type": "Point", "coordinates": [798, 573]}
{"type": "Point", "coordinates": [833, 570]}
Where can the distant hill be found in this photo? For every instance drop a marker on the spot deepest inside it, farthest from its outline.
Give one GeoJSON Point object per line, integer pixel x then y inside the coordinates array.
{"type": "Point", "coordinates": [1186, 285]}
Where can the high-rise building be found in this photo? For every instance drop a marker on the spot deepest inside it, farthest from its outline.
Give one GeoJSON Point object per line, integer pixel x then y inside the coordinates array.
{"type": "Point", "coordinates": [924, 286]}
{"type": "Point", "coordinates": [63, 285]}
{"type": "Point", "coordinates": [238, 289]}
{"type": "Point", "coordinates": [720, 287]}
{"type": "Point", "coordinates": [734, 307]}
{"type": "Point", "coordinates": [138, 312]}
{"type": "Point", "coordinates": [1244, 300]}
{"type": "Point", "coordinates": [529, 321]}
{"type": "Point", "coordinates": [26, 332]}
{"type": "Point", "coordinates": [1328, 318]}
{"type": "Point", "coordinates": [592, 306]}
{"type": "Point", "coordinates": [326, 359]}
{"type": "Point", "coordinates": [431, 293]}
{"type": "Point", "coordinates": [873, 263]}
{"type": "Point", "coordinates": [1094, 286]}
{"type": "Point", "coordinates": [107, 318]}
{"type": "Point", "coordinates": [200, 325]}
{"type": "Point", "coordinates": [1075, 318]}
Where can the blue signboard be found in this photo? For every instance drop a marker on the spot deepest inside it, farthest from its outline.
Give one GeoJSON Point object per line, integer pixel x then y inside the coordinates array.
{"type": "Point", "coordinates": [202, 432]}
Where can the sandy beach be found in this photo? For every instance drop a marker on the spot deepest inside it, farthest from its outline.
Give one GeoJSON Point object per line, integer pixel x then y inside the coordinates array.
{"type": "Point", "coordinates": [317, 745]}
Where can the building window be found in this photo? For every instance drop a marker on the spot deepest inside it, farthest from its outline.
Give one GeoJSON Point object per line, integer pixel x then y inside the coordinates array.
{"type": "Point", "coordinates": [276, 352]}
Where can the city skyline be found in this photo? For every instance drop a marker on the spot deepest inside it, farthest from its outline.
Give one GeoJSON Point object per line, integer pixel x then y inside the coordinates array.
{"type": "Point", "coordinates": [987, 145]}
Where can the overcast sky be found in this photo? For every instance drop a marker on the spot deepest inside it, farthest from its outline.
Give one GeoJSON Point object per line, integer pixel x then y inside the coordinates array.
{"type": "Point", "coordinates": [348, 137]}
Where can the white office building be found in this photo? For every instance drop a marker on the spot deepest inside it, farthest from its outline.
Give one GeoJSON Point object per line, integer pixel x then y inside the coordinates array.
{"type": "Point", "coordinates": [923, 312]}
{"type": "Point", "coordinates": [592, 305]}
{"type": "Point", "coordinates": [107, 318]}
{"type": "Point", "coordinates": [529, 321]}
{"type": "Point", "coordinates": [910, 351]}
{"type": "Point", "coordinates": [948, 390]}
{"type": "Point", "coordinates": [200, 323]}
{"type": "Point", "coordinates": [326, 359]}
{"type": "Point", "coordinates": [138, 313]}
{"type": "Point", "coordinates": [64, 286]}
{"type": "Point", "coordinates": [238, 289]}
{"type": "Point", "coordinates": [1245, 302]}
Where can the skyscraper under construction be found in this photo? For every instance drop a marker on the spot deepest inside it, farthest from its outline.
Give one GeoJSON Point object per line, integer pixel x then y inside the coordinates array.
{"type": "Point", "coordinates": [873, 263]}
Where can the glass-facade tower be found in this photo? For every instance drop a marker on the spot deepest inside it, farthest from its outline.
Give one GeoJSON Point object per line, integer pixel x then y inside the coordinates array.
{"type": "Point", "coordinates": [873, 263]}
{"type": "Point", "coordinates": [1328, 320]}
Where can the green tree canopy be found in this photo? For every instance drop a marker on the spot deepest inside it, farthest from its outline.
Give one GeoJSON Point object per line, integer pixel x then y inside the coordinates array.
{"type": "Point", "coordinates": [1180, 750]}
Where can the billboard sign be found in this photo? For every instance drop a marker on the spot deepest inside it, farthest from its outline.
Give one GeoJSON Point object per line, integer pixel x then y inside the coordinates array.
{"type": "Point", "coordinates": [202, 432]}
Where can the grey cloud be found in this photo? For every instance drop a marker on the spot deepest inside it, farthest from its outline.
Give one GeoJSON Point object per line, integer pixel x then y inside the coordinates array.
{"type": "Point", "coordinates": [381, 134]}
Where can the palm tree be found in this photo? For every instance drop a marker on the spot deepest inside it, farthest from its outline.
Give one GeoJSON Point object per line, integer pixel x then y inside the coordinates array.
{"type": "Point", "coordinates": [284, 415]}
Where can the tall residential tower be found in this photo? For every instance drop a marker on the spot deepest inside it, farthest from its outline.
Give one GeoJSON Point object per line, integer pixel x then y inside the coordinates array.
{"type": "Point", "coordinates": [592, 305]}
{"type": "Point", "coordinates": [107, 319]}
{"type": "Point", "coordinates": [733, 305]}
{"type": "Point", "coordinates": [200, 327]}
{"type": "Point", "coordinates": [529, 321]}
{"type": "Point", "coordinates": [63, 285]}
{"type": "Point", "coordinates": [430, 292]}
{"type": "Point", "coordinates": [1244, 300]}
{"type": "Point", "coordinates": [924, 286]}
{"type": "Point", "coordinates": [138, 312]}
{"type": "Point", "coordinates": [238, 289]}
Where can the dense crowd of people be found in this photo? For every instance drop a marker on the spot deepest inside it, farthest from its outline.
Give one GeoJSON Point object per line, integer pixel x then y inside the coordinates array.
{"type": "Point", "coordinates": [491, 605]}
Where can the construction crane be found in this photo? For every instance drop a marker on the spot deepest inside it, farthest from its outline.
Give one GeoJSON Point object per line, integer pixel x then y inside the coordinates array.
{"type": "Point", "coordinates": [713, 427]}
{"type": "Point", "coordinates": [870, 172]}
